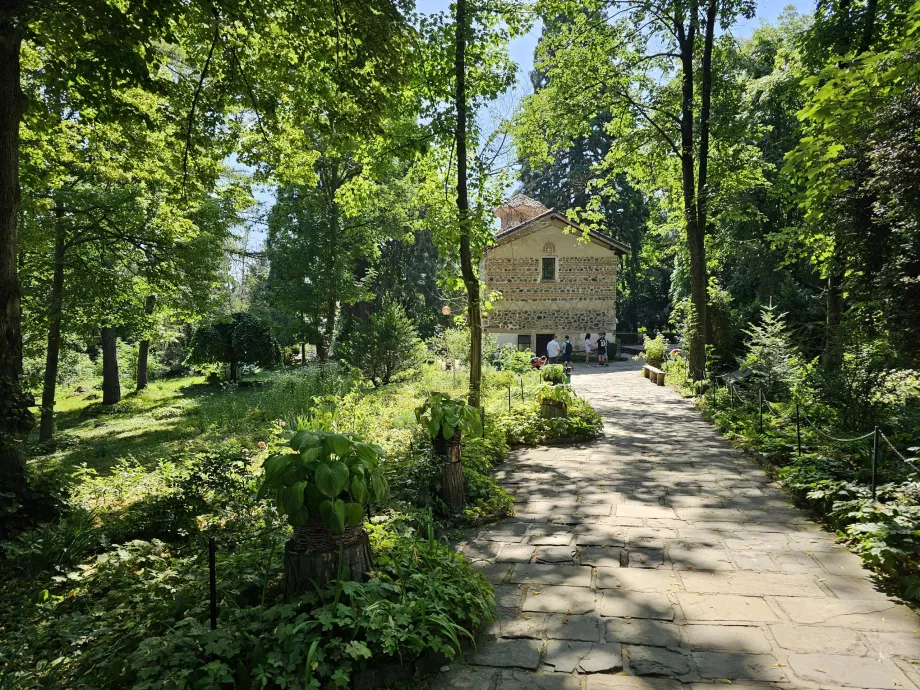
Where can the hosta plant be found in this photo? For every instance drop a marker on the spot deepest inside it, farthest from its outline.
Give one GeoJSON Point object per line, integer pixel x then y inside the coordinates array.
{"type": "Point", "coordinates": [560, 394]}
{"type": "Point", "coordinates": [443, 415]}
{"type": "Point", "coordinates": [327, 477]}
{"type": "Point", "coordinates": [554, 373]}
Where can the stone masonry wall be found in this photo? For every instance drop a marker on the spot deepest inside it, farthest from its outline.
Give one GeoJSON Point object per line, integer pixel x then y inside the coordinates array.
{"type": "Point", "coordinates": [591, 278]}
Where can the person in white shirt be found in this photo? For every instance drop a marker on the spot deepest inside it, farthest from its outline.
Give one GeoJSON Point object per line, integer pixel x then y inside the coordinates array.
{"type": "Point", "coordinates": [552, 350]}
{"type": "Point", "coordinates": [587, 348]}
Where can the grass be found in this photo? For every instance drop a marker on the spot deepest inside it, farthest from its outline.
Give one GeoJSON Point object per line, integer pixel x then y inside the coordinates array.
{"type": "Point", "coordinates": [176, 416]}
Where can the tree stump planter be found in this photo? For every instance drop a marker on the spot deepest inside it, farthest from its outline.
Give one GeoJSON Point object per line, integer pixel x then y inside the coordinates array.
{"type": "Point", "coordinates": [453, 488]}
{"type": "Point", "coordinates": [311, 556]}
{"type": "Point", "coordinates": [552, 409]}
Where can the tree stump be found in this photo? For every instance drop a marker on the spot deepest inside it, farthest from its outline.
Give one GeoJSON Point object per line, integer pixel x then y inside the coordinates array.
{"type": "Point", "coordinates": [453, 487]}
{"type": "Point", "coordinates": [550, 409]}
{"type": "Point", "coordinates": [311, 557]}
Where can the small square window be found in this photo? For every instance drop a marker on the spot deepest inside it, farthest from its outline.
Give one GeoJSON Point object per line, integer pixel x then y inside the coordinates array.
{"type": "Point", "coordinates": [523, 342]}
{"type": "Point", "coordinates": [549, 269]}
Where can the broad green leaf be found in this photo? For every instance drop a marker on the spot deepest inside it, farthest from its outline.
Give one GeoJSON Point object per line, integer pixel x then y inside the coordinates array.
{"type": "Point", "coordinates": [359, 490]}
{"type": "Point", "coordinates": [340, 476]}
{"type": "Point", "coordinates": [338, 444]}
{"type": "Point", "coordinates": [379, 486]}
{"type": "Point", "coordinates": [324, 480]}
{"type": "Point", "coordinates": [433, 427]}
{"type": "Point", "coordinates": [333, 514]}
{"type": "Point", "coordinates": [311, 453]}
{"type": "Point", "coordinates": [274, 465]}
{"type": "Point", "coordinates": [448, 431]}
{"type": "Point", "coordinates": [292, 499]}
{"type": "Point", "coordinates": [354, 514]}
{"type": "Point", "coordinates": [313, 498]}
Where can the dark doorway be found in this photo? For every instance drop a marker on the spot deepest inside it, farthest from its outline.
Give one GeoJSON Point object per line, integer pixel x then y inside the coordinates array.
{"type": "Point", "coordinates": [542, 340]}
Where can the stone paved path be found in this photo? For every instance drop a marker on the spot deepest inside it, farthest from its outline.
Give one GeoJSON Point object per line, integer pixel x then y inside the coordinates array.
{"type": "Point", "coordinates": [659, 557]}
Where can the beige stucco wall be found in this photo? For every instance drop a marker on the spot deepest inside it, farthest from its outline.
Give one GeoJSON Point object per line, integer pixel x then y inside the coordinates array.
{"type": "Point", "coordinates": [582, 299]}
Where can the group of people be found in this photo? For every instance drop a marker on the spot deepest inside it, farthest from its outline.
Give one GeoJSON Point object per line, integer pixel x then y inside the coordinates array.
{"type": "Point", "coordinates": [562, 352]}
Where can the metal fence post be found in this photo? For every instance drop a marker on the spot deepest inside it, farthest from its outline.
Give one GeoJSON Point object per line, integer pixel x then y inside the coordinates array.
{"type": "Point", "coordinates": [212, 566]}
{"type": "Point", "coordinates": [875, 445]}
{"type": "Point", "coordinates": [798, 429]}
{"type": "Point", "coordinates": [522, 388]}
{"type": "Point", "coordinates": [760, 400]}
{"type": "Point", "coordinates": [509, 398]}
{"type": "Point", "coordinates": [731, 394]}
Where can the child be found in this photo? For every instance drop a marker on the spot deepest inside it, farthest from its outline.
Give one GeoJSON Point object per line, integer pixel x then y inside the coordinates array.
{"type": "Point", "coordinates": [602, 350]}
{"type": "Point", "coordinates": [587, 348]}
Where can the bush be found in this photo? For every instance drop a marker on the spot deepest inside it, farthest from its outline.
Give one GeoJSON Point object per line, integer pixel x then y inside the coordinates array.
{"type": "Point", "coordinates": [654, 350]}
{"type": "Point", "coordinates": [774, 362]}
{"type": "Point", "coordinates": [511, 359]}
{"type": "Point", "coordinates": [525, 427]}
{"type": "Point", "coordinates": [421, 598]}
{"type": "Point", "coordinates": [554, 373]}
{"type": "Point", "coordinates": [385, 345]}
{"type": "Point", "coordinates": [239, 338]}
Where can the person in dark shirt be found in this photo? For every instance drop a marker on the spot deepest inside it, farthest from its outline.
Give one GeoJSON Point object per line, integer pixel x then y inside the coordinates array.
{"type": "Point", "coordinates": [602, 350]}
{"type": "Point", "coordinates": [567, 351]}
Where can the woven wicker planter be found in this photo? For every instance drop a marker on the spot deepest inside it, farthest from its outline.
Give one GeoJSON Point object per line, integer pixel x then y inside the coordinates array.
{"type": "Point", "coordinates": [311, 556]}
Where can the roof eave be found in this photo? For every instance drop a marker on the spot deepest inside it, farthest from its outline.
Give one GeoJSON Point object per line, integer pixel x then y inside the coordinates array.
{"type": "Point", "coordinates": [600, 238]}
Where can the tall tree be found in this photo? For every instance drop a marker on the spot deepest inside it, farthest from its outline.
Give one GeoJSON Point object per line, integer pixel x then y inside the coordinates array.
{"type": "Point", "coordinates": [95, 45]}
{"type": "Point", "coordinates": [650, 65]}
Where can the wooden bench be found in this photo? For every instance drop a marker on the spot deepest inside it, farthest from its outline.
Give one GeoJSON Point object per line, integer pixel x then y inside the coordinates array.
{"type": "Point", "coordinates": [653, 374]}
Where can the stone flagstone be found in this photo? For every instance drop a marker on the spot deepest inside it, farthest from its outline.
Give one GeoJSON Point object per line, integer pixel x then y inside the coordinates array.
{"type": "Point", "coordinates": [660, 558]}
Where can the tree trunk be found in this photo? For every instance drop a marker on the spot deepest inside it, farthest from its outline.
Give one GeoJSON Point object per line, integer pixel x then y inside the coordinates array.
{"type": "Point", "coordinates": [695, 234]}
{"type": "Point", "coordinates": [303, 354]}
{"type": "Point", "coordinates": [550, 409]}
{"type": "Point", "coordinates": [234, 369]}
{"type": "Point", "coordinates": [831, 355]}
{"type": "Point", "coordinates": [453, 486]}
{"type": "Point", "coordinates": [111, 388]}
{"type": "Point", "coordinates": [702, 191]}
{"type": "Point", "coordinates": [46, 429]}
{"type": "Point", "coordinates": [143, 348]}
{"type": "Point", "coordinates": [467, 267]}
{"type": "Point", "coordinates": [15, 418]}
{"type": "Point", "coordinates": [311, 558]}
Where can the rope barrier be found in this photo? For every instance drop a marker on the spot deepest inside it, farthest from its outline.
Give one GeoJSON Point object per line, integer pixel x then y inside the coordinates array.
{"type": "Point", "coordinates": [897, 452]}
{"type": "Point", "coordinates": [774, 411]}
{"type": "Point", "coordinates": [834, 438]}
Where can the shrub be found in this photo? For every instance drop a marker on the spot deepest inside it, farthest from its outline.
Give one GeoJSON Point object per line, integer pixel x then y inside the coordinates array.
{"type": "Point", "coordinates": [385, 345]}
{"type": "Point", "coordinates": [654, 350]}
{"type": "Point", "coordinates": [329, 478]}
{"type": "Point", "coordinates": [422, 597]}
{"type": "Point", "coordinates": [554, 373]}
{"type": "Point", "coordinates": [772, 359]}
{"type": "Point", "coordinates": [512, 359]}
{"type": "Point", "coordinates": [233, 340]}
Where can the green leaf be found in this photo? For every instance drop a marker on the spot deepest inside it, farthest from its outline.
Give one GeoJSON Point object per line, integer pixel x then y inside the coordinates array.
{"type": "Point", "coordinates": [292, 498]}
{"type": "Point", "coordinates": [311, 453]}
{"type": "Point", "coordinates": [448, 431]}
{"type": "Point", "coordinates": [275, 465]}
{"type": "Point", "coordinates": [379, 486]}
{"type": "Point", "coordinates": [338, 444]}
{"type": "Point", "coordinates": [433, 427]}
{"type": "Point", "coordinates": [332, 478]}
{"type": "Point", "coordinates": [359, 490]}
{"type": "Point", "coordinates": [314, 497]}
{"type": "Point", "coordinates": [354, 514]}
{"type": "Point", "coordinates": [333, 514]}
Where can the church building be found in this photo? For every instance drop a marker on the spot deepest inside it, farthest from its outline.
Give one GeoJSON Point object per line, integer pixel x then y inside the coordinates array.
{"type": "Point", "coordinates": [552, 281]}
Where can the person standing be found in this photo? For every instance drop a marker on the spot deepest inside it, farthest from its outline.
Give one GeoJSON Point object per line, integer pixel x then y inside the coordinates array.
{"type": "Point", "coordinates": [567, 350]}
{"type": "Point", "coordinates": [587, 348]}
{"type": "Point", "coordinates": [602, 350]}
{"type": "Point", "coordinates": [552, 350]}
